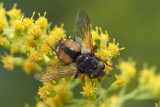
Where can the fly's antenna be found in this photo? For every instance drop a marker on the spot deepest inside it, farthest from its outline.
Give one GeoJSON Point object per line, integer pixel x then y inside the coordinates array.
{"type": "Point", "coordinates": [116, 66]}
{"type": "Point", "coordinates": [51, 47]}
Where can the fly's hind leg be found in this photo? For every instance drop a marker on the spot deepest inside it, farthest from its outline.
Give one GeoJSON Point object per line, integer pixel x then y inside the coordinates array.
{"type": "Point", "coordinates": [77, 75]}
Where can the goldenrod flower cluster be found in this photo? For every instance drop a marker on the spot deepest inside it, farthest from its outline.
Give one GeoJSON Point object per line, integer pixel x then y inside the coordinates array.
{"type": "Point", "coordinates": [27, 40]}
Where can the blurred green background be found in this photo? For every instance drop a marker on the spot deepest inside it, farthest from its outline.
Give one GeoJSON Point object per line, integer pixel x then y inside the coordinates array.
{"type": "Point", "coordinates": [134, 23]}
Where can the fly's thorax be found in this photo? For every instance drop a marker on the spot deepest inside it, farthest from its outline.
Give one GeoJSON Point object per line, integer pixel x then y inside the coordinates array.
{"type": "Point", "coordinates": [86, 63]}
{"type": "Point", "coordinates": [68, 50]}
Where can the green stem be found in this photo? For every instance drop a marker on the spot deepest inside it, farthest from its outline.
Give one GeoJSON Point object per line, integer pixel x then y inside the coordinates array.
{"type": "Point", "coordinates": [103, 93]}
{"type": "Point", "coordinates": [75, 83]}
{"type": "Point", "coordinates": [128, 96]}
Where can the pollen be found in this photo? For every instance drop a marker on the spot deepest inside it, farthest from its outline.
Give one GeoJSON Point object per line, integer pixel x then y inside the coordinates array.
{"type": "Point", "coordinates": [14, 12]}
{"type": "Point", "coordinates": [36, 32]}
{"type": "Point", "coordinates": [43, 91]}
{"type": "Point", "coordinates": [121, 80]}
{"type": "Point", "coordinates": [89, 90]}
{"type": "Point", "coordinates": [42, 21]}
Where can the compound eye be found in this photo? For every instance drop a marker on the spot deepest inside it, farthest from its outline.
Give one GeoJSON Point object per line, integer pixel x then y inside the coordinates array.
{"type": "Point", "coordinates": [103, 66]}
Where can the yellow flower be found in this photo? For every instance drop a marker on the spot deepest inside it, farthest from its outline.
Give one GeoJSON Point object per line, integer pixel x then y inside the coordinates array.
{"type": "Point", "coordinates": [128, 69]}
{"type": "Point", "coordinates": [108, 68]}
{"type": "Point", "coordinates": [41, 104]}
{"type": "Point", "coordinates": [30, 42]}
{"type": "Point", "coordinates": [3, 15]}
{"type": "Point", "coordinates": [8, 62]}
{"type": "Point", "coordinates": [28, 66]}
{"type": "Point", "coordinates": [53, 101]}
{"type": "Point", "coordinates": [34, 56]}
{"type": "Point", "coordinates": [14, 13]}
{"type": "Point", "coordinates": [121, 80]}
{"type": "Point", "coordinates": [18, 26]}
{"type": "Point", "coordinates": [104, 105]}
{"type": "Point", "coordinates": [103, 54]}
{"type": "Point", "coordinates": [15, 47]}
{"type": "Point", "coordinates": [28, 22]}
{"type": "Point", "coordinates": [104, 38]}
{"type": "Point", "coordinates": [42, 21]}
{"type": "Point", "coordinates": [95, 34]}
{"type": "Point", "coordinates": [58, 33]}
{"type": "Point", "coordinates": [48, 83]}
{"type": "Point", "coordinates": [35, 31]}
{"type": "Point", "coordinates": [114, 48]}
{"type": "Point", "coordinates": [43, 91]}
{"type": "Point", "coordinates": [150, 81]}
{"type": "Point", "coordinates": [2, 11]}
{"type": "Point", "coordinates": [89, 90]}
{"type": "Point", "coordinates": [4, 42]}
{"type": "Point", "coordinates": [2, 26]}
{"type": "Point", "coordinates": [45, 48]}
{"type": "Point", "coordinates": [113, 101]}
{"type": "Point", "coordinates": [63, 90]}
{"type": "Point", "coordinates": [147, 76]}
{"type": "Point", "coordinates": [157, 104]}
{"type": "Point", "coordinates": [156, 86]}
{"type": "Point", "coordinates": [89, 105]}
{"type": "Point", "coordinates": [1, 40]}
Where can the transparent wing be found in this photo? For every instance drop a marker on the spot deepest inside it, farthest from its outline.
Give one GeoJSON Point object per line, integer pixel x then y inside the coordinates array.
{"type": "Point", "coordinates": [52, 73]}
{"type": "Point", "coordinates": [83, 31]}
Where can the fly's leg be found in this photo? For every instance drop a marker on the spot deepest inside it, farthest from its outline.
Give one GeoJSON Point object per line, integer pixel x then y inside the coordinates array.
{"type": "Point", "coordinates": [77, 75]}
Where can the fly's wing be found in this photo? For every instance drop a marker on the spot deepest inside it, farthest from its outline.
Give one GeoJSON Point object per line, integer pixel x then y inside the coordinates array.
{"type": "Point", "coordinates": [52, 73]}
{"type": "Point", "coordinates": [83, 32]}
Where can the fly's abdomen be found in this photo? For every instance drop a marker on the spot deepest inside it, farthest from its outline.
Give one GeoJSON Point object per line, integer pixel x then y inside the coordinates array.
{"type": "Point", "coordinates": [68, 50]}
